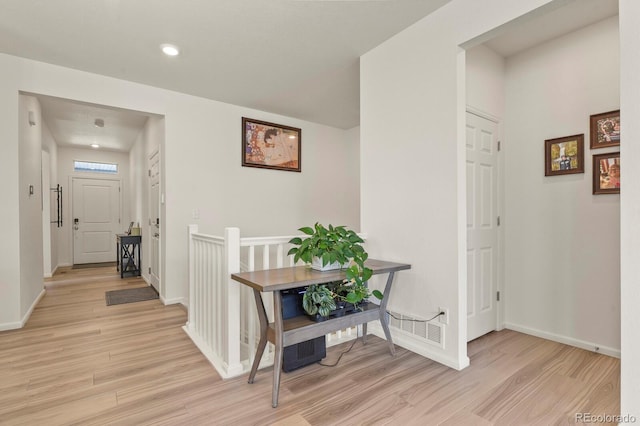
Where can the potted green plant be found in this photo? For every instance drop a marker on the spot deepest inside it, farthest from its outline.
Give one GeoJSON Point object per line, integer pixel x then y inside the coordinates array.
{"type": "Point", "coordinates": [319, 301]}
{"type": "Point", "coordinates": [336, 247]}
{"type": "Point", "coordinates": [327, 248]}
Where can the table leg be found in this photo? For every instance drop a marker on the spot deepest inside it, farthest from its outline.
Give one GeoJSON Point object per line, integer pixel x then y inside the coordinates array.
{"type": "Point", "coordinates": [364, 333]}
{"type": "Point", "coordinates": [139, 260]}
{"type": "Point", "coordinates": [279, 351]}
{"type": "Point", "coordinates": [383, 313]}
{"type": "Point", "coordinates": [264, 326]}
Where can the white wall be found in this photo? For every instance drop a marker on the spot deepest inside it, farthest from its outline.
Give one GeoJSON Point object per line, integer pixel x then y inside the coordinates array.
{"type": "Point", "coordinates": [30, 241]}
{"type": "Point", "coordinates": [412, 101]}
{"type": "Point", "coordinates": [150, 140]}
{"type": "Point", "coordinates": [49, 145]}
{"type": "Point", "coordinates": [630, 206]}
{"type": "Point", "coordinates": [201, 166]}
{"type": "Point", "coordinates": [563, 243]}
{"type": "Point", "coordinates": [46, 214]}
{"type": "Point", "coordinates": [485, 80]}
{"type": "Point", "coordinates": [66, 157]}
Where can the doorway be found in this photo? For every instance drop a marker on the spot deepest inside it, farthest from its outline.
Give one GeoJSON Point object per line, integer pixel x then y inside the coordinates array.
{"type": "Point", "coordinates": [154, 219]}
{"type": "Point", "coordinates": [96, 219]}
{"type": "Point", "coordinates": [482, 224]}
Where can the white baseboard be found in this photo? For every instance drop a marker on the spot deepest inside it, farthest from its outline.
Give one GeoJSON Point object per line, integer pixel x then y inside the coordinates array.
{"type": "Point", "coordinates": [25, 317]}
{"type": "Point", "coordinates": [10, 325]}
{"type": "Point", "coordinates": [174, 301]}
{"type": "Point", "coordinates": [50, 275]}
{"type": "Point", "coordinates": [582, 344]}
{"type": "Point", "coordinates": [417, 346]}
{"type": "Point", "coordinates": [225, 370]}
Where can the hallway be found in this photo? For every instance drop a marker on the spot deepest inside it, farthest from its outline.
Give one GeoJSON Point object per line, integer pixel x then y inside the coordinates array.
{"type": "Point", "coordinates": [80, 362]}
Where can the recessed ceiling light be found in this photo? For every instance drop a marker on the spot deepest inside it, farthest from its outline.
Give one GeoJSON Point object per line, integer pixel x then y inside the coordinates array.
{"type": "Point", "coordinates": [95, 145]}
{"type": "Point", "coordinates": [170, 49]}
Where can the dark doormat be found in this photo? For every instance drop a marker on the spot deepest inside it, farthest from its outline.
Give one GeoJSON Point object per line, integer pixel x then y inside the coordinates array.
{"type": "Point", "coordinates": [93, 265]}
{"type": "Point", "coordinates": [130, 295]}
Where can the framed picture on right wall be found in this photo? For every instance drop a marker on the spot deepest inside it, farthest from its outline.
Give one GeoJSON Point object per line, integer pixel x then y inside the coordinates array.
{"type": "Point", "coordinates": [606, 173]}
{"type": "Point", "coordinates": [605, 129]}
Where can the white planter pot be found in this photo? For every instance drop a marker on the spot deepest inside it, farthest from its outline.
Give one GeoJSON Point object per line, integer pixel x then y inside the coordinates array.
{"type": "Point", "coordinates": [316, 263]}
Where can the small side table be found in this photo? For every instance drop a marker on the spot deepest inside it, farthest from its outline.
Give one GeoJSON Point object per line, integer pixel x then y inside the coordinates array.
{"type": "Point", "coordinates": [128, 257]}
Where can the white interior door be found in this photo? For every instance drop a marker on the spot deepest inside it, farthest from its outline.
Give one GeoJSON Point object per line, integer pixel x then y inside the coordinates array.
{"type": "Point", "coordinates": [154, 219]}
{"type": "Point", "coordinates": [96, 220]}
{"type": "Point", "coordinates": [482, 224]}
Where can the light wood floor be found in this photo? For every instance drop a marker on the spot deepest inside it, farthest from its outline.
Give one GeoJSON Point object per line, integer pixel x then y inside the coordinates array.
{"type": "Point", "coordinates": [78, 361]}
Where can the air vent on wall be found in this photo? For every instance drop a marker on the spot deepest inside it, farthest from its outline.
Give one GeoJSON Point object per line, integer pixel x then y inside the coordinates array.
{"type": "Point", "coordinates": [431, 332]}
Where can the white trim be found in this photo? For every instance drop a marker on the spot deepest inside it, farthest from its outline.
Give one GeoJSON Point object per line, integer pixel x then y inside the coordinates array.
{"type": "Point", "coordinates": [10, 326]}
{"type": "Point", "coordinates": [418, 346]}
{"type": "Point", "coordinates": [47, 275]}
{"type": "Point", "coordinates": [27, 315]}
{"type": "Point", "coordinates": [224, 370]}
{"type": "Point", "coordinates": [482, 114]}
{"type": "Point", "coordinates": [25, 318]}
{"type": "Point", "coordinates": [175, 301]}
{"type": "Point", "coordinates": [582, 344]}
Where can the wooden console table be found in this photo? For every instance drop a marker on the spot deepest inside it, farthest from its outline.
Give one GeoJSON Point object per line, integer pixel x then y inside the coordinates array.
{"type": "Point", "coordinates": [128, 257]}
{"type": "Point", "coordinates": [289, 332]}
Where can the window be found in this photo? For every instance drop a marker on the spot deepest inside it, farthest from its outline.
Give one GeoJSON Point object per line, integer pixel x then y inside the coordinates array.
{"type": "Point", "coordinates": [88, 166]}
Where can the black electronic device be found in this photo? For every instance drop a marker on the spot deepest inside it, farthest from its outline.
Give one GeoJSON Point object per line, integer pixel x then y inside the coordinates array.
{"type": "Point", "coordinates": [303, 353]}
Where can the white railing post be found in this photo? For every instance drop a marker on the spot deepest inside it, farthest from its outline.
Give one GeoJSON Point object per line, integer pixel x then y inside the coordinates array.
{"type": "Point", "coordinates": [192, 230]}
{"type": "Point", "coordinates": [232, 264]}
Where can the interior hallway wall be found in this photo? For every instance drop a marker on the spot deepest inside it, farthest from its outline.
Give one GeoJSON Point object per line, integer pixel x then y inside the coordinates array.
{"type": "Point", "coordinates": [150, 140]}
{"type": "Point", "coordinates": [51, 148]}
{"type": "Point", "coordinates": [563, 243]}
{"type": "Point", "coordinates": [30, 202]}
{"type": "Point", "coordinates": [413, 101]}
{"type": "Point", "coordinates": [630, 207]}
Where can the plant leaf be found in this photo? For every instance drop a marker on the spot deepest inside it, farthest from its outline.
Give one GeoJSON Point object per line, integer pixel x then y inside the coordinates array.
{"type": "Point", "coordinates": [377, 294]}
{"type": "Point", "coordinates": [352, 298]}
{"type": "Point", "coordinates": [306, 230]}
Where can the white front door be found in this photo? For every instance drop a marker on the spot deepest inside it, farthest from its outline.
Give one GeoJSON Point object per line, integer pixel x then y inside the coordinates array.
{"type": "Point", "coordinates": [482, 222]}
{"type": "Point", "coordinates": [154, 219]}
{"type": "Point", "coordinates": [96, 220]}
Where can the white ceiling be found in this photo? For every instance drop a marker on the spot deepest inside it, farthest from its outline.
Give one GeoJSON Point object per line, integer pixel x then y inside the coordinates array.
{"type": "Point", "coordinates": [73, 124]}
{"type": "Point", "coordinates": [298, 58]}
{"type": "Point", "coordinates": [563, 20]}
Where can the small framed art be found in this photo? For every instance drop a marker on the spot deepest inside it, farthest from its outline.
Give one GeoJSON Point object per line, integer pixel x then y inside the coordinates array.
{"type": "Point", "coordinates": [270, 146]}
{"type": "Point", "coordinates": [605, 129]}
{"type": "Point", "coordinates": [606, 173]}
{"type": "Point", "coordinates": [563, 156]}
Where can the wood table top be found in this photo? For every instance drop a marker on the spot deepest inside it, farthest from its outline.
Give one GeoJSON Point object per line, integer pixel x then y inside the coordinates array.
{"type": "Point", "coordinates": [301, 276]}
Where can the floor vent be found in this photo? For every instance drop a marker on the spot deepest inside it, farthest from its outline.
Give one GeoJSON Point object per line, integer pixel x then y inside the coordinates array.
{"type": "Point", "coordinates": [431, 332]}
